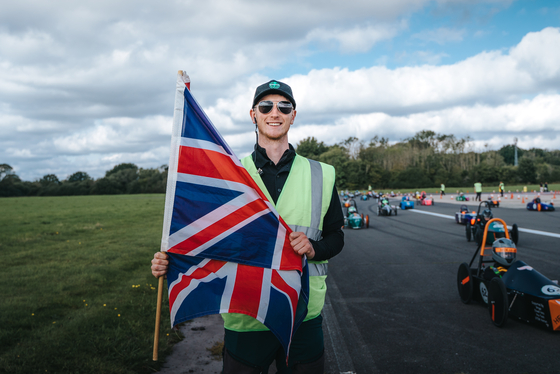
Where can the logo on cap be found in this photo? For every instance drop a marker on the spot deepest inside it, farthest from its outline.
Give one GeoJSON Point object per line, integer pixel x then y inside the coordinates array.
{"type": "Point", "coordinates": [274, 85]}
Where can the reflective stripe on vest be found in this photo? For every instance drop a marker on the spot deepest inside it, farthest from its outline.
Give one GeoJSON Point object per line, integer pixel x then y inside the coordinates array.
{"type": "Point", "coordinates": [317, 269]}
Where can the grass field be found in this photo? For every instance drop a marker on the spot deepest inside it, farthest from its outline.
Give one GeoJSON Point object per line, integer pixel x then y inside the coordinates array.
{"type": "Point", "coordinates": [77, 292]}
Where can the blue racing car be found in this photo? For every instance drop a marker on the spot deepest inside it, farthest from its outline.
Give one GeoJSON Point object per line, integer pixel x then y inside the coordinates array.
{"type": "Point", "coordinates": [406, 203]}
{"type": "Point", "coordinates": [539, 206]}
{"type": "Point", "coordinates": [464, 216]}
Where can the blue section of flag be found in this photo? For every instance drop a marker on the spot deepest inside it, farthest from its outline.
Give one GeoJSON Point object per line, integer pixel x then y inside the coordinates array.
{"type": "Point", "coordinates": [205, 299]}
{"type": "Point", "coordinates": [204, 129]}
{"type": "Point", "coordinates": [193, 201]}
{"type": "Point", "coordinates": [261, 234]}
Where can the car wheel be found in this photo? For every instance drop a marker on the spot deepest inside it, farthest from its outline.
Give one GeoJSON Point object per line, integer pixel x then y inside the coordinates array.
{"type": "Point", "coordinates": [498, 304]}
{"type": "Point", "coordinates": [469, 231]}
{"type": "Point", "coordinates": [390, 211]}
{"type": "Point", "coordinates": [514, 233]}
{"type": "Point", "coordinates": [478, 234]}
{"type": "Point", "coordinates": [367, 221]}
{"type": "Point", "coordinates": [465, 283]}
{"type": "Point", "coordinates": [395, 212]}
{"type": "Point", "coordinates": [378, 211]}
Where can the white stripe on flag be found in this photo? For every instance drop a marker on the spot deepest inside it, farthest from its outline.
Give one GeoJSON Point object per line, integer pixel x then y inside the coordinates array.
{"type": "Point", "coordinates": [265, 295]}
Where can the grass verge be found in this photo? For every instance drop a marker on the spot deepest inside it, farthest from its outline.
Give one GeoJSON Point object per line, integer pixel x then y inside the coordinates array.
{"type": "Point", "coordinates": [77, 292]}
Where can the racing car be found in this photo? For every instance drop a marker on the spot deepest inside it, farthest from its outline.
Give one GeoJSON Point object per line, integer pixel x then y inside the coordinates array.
{"type": "Point", "coordinates": [539, 206]}
{"type": "Point", "coordinates": [463, 216]}
{"type": "Point", "coordinates": [406, 203]}
{"type": "Point", "coordinates": [420, 195]}
{"type": "Point", "coordinates": [461, 197]}
{"type": "Point", "coordinates": [384, 208]}
{"type": "Point", "coordinates": [427, 201]}
{"type": "Point", "coordinates": [493, 203]}
{"type": "Point", "coordinates": [354, 220]}
{"type": "Point", "coordinates": [348, 203]}
{"type": "Point", "coordinates": [509, 287]}
{"type": "Point", "coordinates": [475, 227]}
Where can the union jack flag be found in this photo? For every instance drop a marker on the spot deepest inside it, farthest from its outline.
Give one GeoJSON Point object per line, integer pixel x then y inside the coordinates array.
{"type": "Point", "coordinates": [228, 248]}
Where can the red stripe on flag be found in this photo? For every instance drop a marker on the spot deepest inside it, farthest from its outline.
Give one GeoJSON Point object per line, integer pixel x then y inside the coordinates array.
{"type": "Point", "coordinates": [246, 294]}
{"type": "Point", "coordinates": [226, 223]}
{"type": "Point", "coordinates": [209, 164]}
{"type": "Point", "coordinates": [289, 256]}
{"type": "Point", "coordinates": [213, 164]}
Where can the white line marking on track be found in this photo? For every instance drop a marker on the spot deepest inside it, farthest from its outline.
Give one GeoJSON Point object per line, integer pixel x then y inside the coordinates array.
{"type": "Point", "coordinates": [432, 214]}
{"type": "Point", "coordinates": [529, 231]}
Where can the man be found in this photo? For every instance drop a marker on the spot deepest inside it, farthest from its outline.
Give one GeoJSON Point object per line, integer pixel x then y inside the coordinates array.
{"type": "Point", "coordinates": [304, 194]}
{"type": "Point", "coordinates": [478, 190]}
{"type": "Point", "coordinates": [442, 190]}
{"type": "Point", "coordinates": [501, 188]}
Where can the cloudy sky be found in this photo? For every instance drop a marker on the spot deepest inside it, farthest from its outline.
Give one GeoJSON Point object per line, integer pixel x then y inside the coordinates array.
{"type": "Point", "coordinates": [88, 85]}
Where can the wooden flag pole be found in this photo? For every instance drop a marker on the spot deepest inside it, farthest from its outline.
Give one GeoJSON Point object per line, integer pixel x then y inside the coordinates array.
{"type": "Point", "coordinates": [187, 81]}
{"type": "Point", "coordinates": [158, 317]}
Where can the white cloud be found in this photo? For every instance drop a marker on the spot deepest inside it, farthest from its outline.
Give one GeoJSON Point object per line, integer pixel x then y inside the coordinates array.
{"type": "Point", "coordinates": [86, 85]}
{"type": "Point", "coordinates": [356, 39]}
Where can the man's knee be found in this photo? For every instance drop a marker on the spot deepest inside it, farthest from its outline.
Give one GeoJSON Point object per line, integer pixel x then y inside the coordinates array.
{"type": "Point", "coordinates": [315, 367]}
{"type": "Point", "coordinates": [232, 366]}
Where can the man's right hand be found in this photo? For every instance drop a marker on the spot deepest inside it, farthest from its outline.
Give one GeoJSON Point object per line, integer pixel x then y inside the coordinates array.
{"type": "Point", "coordinates": [159, 264]}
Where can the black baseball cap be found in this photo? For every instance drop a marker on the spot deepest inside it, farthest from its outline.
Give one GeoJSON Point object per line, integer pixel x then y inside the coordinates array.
{"type": "Point", "coordinates": [274, 87]}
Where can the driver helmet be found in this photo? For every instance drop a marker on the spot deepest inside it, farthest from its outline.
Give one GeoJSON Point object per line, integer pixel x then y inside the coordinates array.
{"type": "Point", "coordinates": [538, 200]}
{"type": "Point", "coordinates": [487, 214]}
{"type": "Point", "coordinates": [352, 209]}
{"type": "Point", "coordinates": [504, 251]}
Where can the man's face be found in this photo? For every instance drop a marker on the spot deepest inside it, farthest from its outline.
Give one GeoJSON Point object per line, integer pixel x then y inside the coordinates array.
{"type": "Point", "coordinates": [273, 125]}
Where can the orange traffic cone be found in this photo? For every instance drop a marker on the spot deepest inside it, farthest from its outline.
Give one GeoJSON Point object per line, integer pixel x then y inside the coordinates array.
{"type": "Point", "coordinates": [512, 195]}
{"type": "Point", "coordinates": [523, 201]}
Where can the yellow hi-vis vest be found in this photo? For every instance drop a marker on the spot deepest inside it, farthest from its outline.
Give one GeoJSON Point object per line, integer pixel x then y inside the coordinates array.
{"type": "Point", "coordinates": [302, 204]}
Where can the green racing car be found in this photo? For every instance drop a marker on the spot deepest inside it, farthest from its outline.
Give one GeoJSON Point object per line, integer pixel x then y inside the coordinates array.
{"type": "Point", "coordinates": [354, 220]}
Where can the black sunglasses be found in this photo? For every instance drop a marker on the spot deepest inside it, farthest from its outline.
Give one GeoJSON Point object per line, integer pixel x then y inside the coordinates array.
{"type": "Point", "coordinates": [283, 106]}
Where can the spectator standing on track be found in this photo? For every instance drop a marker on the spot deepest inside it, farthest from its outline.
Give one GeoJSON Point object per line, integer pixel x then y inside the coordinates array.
{"type": "Point", "coordinates": [478, 190]}
{"type": "Point", "coordinates": [250, 347]}
{"type": "Point", "coordinates": [501, 188]}
{"type": "Point", "coordinates": [541, 188]}
{"type": "Point", "coordinates": [545, 186]}
{"type": "Point", "coordinates": [442, 190]}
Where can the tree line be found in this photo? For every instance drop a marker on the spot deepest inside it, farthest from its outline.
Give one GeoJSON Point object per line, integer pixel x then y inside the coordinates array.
{"type": "Point", "coordinates": [125, 178]}
{"type": "Point", "coordinates": [429, 159]}
{"type": "Point", "coordinates": [425, 160]}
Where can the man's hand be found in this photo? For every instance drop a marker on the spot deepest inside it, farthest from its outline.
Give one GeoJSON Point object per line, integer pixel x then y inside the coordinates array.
{"type": "Point", "coordinates": [159, 264]}
{"type": "Point", "coordinates": [301, 244]}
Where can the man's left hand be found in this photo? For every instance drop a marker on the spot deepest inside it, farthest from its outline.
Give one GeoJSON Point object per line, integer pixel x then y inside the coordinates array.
{"type": "Point", "coordinates": [301, 244]}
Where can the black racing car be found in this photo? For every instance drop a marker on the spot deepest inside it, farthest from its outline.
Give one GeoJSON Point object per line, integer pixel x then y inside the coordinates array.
{"type": "Point", "coordinates": [384, 207]}
{"type": "Point", "coordinates": [475, 227]}
{"type": "Point", "coordinates": [507, 286]}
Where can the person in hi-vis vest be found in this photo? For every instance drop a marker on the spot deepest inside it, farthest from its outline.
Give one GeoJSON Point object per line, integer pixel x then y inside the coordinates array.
{"type": "Point", "coordinates": [304, 195]}
{"type": "Point", "coordinates": [478, 190]}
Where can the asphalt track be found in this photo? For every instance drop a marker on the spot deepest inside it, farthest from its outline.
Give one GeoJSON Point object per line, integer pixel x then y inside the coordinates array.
{"type": "Point", "coordinates": [393, 307]}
